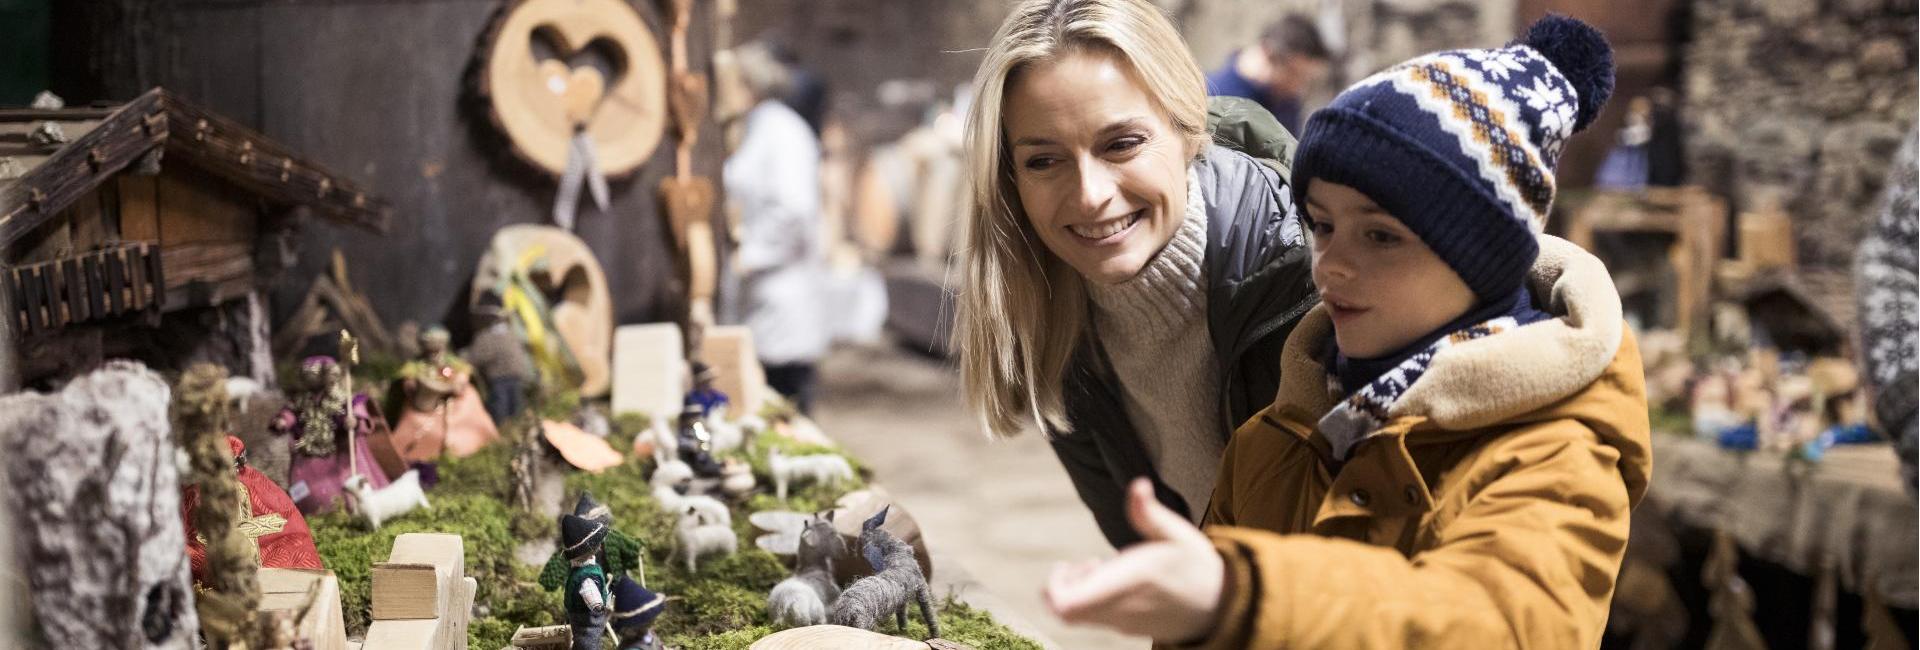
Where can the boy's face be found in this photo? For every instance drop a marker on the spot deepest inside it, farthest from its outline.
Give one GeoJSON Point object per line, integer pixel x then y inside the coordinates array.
{"type": "Point", "coordinates": [1383, 286]}
{"type": "Point", "coordinates": [1100, 170]}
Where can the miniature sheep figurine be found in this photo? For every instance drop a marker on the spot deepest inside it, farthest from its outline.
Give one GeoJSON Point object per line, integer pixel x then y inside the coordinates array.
{"type": "Point", "coordinates": [666, 445]}
{"type": "Point", "coordinates": [667, 480]}
{"type": "Point", "coordinates": [711, 510]}
{"type": "Point", "coordinates": [823, 468]}
{"type": "Point", "coordinates": [804, 598]}
{"type": "Point", "coordinates": [897, 579]}
{"type": "Point", "coordinates": [397, 498]}
{"type": "Point", "coordinates": [698, 539]}
{"type": "Point", "coordinates": [242, 390]}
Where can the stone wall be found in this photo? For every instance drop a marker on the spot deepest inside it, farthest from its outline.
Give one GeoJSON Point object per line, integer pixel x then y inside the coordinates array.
{"type": "Point", "coordinates": [1805, 101]}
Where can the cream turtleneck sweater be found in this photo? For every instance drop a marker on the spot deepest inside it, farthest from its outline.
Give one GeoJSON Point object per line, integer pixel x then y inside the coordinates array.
{"type": "Point", "coordinates": [1154, 329]}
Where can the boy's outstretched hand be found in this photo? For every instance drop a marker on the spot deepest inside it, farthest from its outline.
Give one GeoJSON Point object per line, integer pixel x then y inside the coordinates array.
{"type": "Point", "coordinates": [1166, 587]}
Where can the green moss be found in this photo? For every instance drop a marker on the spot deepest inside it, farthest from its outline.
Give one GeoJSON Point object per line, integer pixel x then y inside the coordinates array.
{"type": "Point", "coordinates": [723, 606]}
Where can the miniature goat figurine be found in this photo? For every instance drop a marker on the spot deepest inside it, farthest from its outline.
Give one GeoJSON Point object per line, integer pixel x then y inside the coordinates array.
{"type": "Point", "coordinates": [823, 468]}
{"type": "Point", "coordinates": [804, 598]}
{"type": "Point", "coordinates": [698, 537]}
{"type": "Point", "coordinates": [896, 578]}
{"type": "Point", "coordinates": [381, 505]}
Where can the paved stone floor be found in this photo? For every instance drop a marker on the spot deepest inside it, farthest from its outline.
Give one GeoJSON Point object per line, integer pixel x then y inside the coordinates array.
{"type": "Point", "coordinates": [1004, 511]}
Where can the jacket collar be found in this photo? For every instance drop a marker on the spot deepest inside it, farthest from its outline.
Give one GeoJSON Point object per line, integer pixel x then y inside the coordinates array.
{"type": "Point", "coordinates": [1485, 381]}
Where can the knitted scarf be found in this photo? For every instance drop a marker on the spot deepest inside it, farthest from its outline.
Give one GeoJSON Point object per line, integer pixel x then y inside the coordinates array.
{"type": "Point", "coordinates": [1367, 409]}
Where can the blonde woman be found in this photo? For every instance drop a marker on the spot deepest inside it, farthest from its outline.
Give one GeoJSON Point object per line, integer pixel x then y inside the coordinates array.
{"type": "Point", "coordinates": [1128, 283]}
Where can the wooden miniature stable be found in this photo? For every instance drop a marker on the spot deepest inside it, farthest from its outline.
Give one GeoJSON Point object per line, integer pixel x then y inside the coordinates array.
{"type": "Point", "coordinates": [125, 215]}
{"type": "Point", "coordinates": [1694, 219]}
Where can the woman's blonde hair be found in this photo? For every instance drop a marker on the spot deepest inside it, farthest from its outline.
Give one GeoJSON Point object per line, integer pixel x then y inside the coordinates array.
{"type": "Point", "coordinates": [1021, 310]}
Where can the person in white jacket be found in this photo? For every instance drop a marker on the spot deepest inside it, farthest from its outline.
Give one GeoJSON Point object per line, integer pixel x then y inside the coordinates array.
{"type": "Point", "coordinates": [774, 180]}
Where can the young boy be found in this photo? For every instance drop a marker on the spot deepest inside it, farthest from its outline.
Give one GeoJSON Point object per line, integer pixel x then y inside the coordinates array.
{"type": "Point", "coordinates": [1461, 428]}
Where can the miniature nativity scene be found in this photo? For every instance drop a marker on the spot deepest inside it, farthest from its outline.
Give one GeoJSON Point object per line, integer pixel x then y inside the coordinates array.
{"type": "Point", "coordinates": [212, 443]}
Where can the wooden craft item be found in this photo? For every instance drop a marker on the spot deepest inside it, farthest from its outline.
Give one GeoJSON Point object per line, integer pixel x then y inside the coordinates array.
{"type": "Point", "coordinates": [421, 599]}
{"type": "Point", "coordinates": [551, 637]}
{"type": "Point", "coordinates": [624, 117]}
{"type": "Point", "coordinates": [582, 315]}
{"type": "Point", "coordinates": [648, 375]}
{"type": "Point", "coordinates": [841, 637]}
{"type": "Point", "coordinates": [582, 450]}
{"type": "Point", "coordinates": [312, 598]}
{"type": "Point", "coordinates": [421, 567]}
{"type": "Point", "coordinates": [688, 99]}
{"type": "Point", "coordinates": [728, 350]}
{"type": "Point", "coordinates": [688, 201]}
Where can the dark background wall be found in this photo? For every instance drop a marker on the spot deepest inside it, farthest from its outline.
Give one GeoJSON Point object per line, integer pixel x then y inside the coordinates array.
{"type": "Point", "coordinates": [377, 91]}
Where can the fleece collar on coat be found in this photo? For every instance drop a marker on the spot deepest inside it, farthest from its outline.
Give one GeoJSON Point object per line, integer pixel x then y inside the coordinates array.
{"type": "Point", "coordinates": [1491, 380]}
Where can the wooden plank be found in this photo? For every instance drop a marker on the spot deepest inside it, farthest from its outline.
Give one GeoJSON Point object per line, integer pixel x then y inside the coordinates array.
{"type": "Point", "coordinates": [314, 596]}
{"type": "Point", "coordinates": [136, 281]}
{"type": "Point", "coordinates": [156, 269]}
{"type": "Point", "coordinates": [77, 168]}
{"type": "Point", "coordinates": [260, 165]}
{"type": "Point", "coordinates": [139, 208]}
{"type": "Point", "coordinates": [56, 294]}
{"type": "Point", "coordinates": [96, 286]}
{"type": "Point", "coordinates": [77, 289]}
{"type": "Point", "coordinates": [36, 318]}
{"type": "Point", "coordinates": [116, 279]}
{"type": "Point", "coordinates": [419, 578]}
{"type": "Point", "coordinates": [84, 221]}
{"type": "Point", "coordinates": [16, 300]}
{"type": "Point", "coordinates": [197, 207]}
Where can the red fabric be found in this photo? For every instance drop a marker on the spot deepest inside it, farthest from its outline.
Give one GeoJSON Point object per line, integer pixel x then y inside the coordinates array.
{"type": "Point", "coordinates": [291, 548]}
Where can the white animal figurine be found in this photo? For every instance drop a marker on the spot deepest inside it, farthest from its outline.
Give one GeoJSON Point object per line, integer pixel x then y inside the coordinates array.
{"type": "Point", "coordinates": [711, 510]}
{"type": "Point", "coordinates": [727, 436]}
{"type": "Point", "coordinates": [698, 538]}
{"type": "Point", "coordinates": [398, 497]}
{"type": "Point", "coordinates": [670, 474]}
{"type": "Point", "coordinates": [241, 391]}
{"type": "Point", "coordinates": [736, 479]}
{"type": "Point", "coordinates": [666, 445]}
{"type": "Point", "coordinates": [823, 468]}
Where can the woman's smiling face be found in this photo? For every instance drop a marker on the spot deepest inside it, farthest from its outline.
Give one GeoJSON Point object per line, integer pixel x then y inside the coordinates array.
{"type": "Point", "coordinates": [1383, 286]}
{"type": "Point", "coordinates": [1100, 170]}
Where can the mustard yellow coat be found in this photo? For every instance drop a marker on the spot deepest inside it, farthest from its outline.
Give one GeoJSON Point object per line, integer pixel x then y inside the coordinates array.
{"type": "Point", "coordinates": [1490, 511]}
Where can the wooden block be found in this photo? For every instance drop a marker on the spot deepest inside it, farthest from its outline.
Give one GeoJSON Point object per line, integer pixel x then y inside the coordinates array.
{"type": "Point", "coordinates": [417, 634]}
{"type": "Point", "coordinates": [419, 579]}
{"type": "Point", "coordinates": [553, 637]}
{"type": "Point", "coordinates": [728, 349]}
{"type": "Point", "coordinates": [292, 590]}
{"type": "Point", "coordinates": [648, 369]}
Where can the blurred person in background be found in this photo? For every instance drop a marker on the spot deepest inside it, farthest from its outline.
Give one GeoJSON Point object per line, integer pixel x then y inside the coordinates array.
{"type": "Point", "coordinates": [1126, 282]}
{"type": "Point", "coordinates": [1290, 59]}
{"type": "Point", "coordinates": [773, 178]}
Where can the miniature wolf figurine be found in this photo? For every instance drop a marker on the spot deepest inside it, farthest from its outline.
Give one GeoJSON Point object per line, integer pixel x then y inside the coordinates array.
{"type": "Point", "coordinates": [896, 579]}
{"type": "Point", "coordinates": [804, 598]}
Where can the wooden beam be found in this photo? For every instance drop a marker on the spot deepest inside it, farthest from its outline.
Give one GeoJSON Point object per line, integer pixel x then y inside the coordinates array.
{"type": "Point", "coordinates": [74, 170]}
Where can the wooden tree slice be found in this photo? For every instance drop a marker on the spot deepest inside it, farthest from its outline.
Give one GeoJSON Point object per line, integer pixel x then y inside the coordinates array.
{"type": "Point", "coordinates": [836, 637]}
{"type": "Point", "coordinates": [627, 118]}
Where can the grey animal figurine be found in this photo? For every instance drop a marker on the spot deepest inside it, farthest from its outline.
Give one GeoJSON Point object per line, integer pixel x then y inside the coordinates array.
{"type": "Point", "coordinates": [804, 598]}
{"type": "Point", "coordinates": [896, 578]}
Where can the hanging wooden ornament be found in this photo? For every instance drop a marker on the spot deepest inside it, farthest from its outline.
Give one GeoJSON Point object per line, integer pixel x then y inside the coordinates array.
{"type": "Point", "coordinates": [552, 69]}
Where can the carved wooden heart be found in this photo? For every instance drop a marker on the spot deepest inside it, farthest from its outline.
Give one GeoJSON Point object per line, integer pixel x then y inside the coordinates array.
{"type": "Point", "coordinates": [538, 90]}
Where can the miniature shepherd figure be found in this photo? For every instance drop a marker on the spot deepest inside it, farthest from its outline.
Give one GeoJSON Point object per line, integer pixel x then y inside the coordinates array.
{"type": "Point", "coordinates": [896, 578]}
{"type": "Point", "coordinates": [587, 594]}
{"type": "Point", "coordinates": [634, 610]}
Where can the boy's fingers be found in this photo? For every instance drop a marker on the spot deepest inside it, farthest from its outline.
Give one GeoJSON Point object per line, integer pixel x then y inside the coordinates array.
{"type": "Point", "coordinates": [1091, 594]}
{"type": "Point", "coordinates": [1154, 521]}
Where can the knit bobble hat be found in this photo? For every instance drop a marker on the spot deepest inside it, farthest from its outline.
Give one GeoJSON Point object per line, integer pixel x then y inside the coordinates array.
{"type": "Point", "coordinates": [1461, 145]}
{"type": "Point", "coordinates": [634, 607]}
